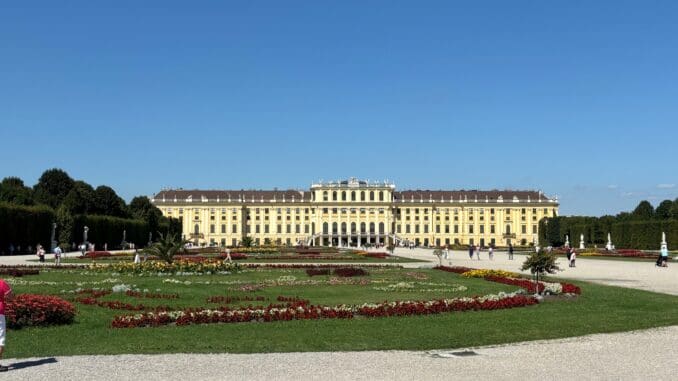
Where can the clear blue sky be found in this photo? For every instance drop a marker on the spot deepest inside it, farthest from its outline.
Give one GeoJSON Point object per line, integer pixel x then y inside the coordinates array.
{"type": "Point", "coordinates": [576, 98]}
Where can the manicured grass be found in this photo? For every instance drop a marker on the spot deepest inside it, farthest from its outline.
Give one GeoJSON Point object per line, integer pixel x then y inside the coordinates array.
{"type": "Point", "coordinates": [598, 309]}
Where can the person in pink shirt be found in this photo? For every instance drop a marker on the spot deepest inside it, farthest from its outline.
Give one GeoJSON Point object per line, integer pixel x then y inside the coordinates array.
{"type": "Point", "coordinates": [5, 296]}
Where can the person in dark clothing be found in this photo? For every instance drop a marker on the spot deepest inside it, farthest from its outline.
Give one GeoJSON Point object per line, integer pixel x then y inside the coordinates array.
{"type": "Point", "coordinates": [470, 251]}
{"type": "Point", "coordinates": [510, 251]}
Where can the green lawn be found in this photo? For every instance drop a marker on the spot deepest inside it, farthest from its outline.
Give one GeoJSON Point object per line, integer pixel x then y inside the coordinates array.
{"type": "Point", "coordinates": [598, 309]}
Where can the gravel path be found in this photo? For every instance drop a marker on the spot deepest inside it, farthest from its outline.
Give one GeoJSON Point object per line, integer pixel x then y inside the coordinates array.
{"type": "Point", "coordinates": [622, 356]}
{"type": "Point", "coordinates": [638, 355]}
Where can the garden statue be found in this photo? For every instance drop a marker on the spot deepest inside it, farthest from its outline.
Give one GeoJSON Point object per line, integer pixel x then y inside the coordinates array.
{"type": "Point", "coordinates": [567, 240]}
{"type": "Point", "coordinates": [609, 242]}
{"type": "Point", "coordinates": [581, 242]}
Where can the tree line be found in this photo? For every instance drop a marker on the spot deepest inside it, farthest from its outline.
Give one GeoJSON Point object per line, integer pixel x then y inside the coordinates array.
{"type": "Point", "coordinates": [28, 213]}
{"type": "Point", "coordinates": [640, 229]}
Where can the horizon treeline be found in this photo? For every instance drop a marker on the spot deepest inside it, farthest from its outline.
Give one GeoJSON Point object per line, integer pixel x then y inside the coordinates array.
{"type": "Point", "coordinates": [27, 214]}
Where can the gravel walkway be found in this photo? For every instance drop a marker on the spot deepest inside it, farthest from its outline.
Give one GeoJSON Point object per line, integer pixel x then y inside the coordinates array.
{"type": "Point", "coordinates": [620, 356]}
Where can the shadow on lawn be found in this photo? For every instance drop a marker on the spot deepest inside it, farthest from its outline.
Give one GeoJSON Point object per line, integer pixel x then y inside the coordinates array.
{"type": "Point", "coordinates": [28, 364]}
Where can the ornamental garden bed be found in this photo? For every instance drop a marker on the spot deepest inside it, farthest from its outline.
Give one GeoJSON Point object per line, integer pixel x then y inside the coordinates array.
{"type": "Point", "coordinates": [281, 308]}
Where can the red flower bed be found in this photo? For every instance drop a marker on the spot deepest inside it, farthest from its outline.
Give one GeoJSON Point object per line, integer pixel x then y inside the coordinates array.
{"type": "Point", "coordinates": [293, 300]}
{"type": "Point", "coordinates": [312, 265]}
{"type": "Point", "coordinates": [454, 269]}
{"type": "Point", "coordinates": [96, 254]}
{"type": "Point", "coordinates": [378, 255]}
{"type": "Point", "coordinates": [349, 272]}
{"type": "Point", "coordinates": [18, 272]}
{"type": "Point", "coordinates": [28, 310]}
{"type": "Point", "coordinates": [527, 284]}
{"type": "Point", "coordinates": [234, 256]}
{"type": "Point", "coordinates": [137, 294]}
{"type": "Point", "coordinates": [314, 272]}
{"type": "Point", "coordinates": [300, 310]}
{"type": "Point", "coordinates": [231, 299]}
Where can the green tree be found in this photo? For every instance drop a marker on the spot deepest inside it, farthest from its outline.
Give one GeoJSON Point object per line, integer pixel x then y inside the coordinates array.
{"type": "Point", "coordinates": [674, 209]}
{"type": "Point", "coordinates": [166, 247]}
{"type": "Point", "coordinates": [540, 263]}
{"type": "Point", "coordinates": [644, 211]}
{"type": "Point", "coordinates": [247, 241]}
{"type": "Point", "coordinates": [663, 211]}
{"type": "Point", "coordinates": [80, 199]}
{"type": "Point", "coordinates": [65, 224]}
{"type": "Point", "coordinates": [108, 203]}
{"type": "Point", "coordinates": [13, 190]}
{"type": "Point", "coordinates": [52, 187]}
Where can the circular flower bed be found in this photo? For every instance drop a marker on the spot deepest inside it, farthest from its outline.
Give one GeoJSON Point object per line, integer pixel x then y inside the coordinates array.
{"type": "Point", "coordinates": [28, 310]}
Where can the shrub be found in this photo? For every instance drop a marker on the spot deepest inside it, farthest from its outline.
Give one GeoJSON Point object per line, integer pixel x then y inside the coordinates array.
{"type": "Point", "coordinates": [28, 310]}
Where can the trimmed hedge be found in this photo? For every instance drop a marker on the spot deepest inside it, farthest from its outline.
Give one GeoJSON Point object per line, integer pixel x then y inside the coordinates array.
{"type": "Point", "coordinates": [24, 226]}
{"type": "Point", "coordinates": [644, 235]}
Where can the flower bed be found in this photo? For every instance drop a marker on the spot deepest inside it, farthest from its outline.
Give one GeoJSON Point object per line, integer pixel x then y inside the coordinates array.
{"type": "Point", "coordinates": [484, 273]}
{"type": "Point", "coordinates": [349, 272]}
{"type": "Point", "coordinates": [231, 299]}
{"type": "Point", "coordinates": [208, 266]}
{"type": "Point", "coordinates": [99, 254]}
{"type": "Point", "coordinates": [314, 272]}
{"type": "Point", "coordinates": [15, 272]}
{"type": "Point", "coordinates": [28, 310]}
{"type": "Point", "coordinates": [300, 310]}
{"type": "Point", "coordinates": [234, 256]}
{"type": "Point", "coordinates": [527, 284]}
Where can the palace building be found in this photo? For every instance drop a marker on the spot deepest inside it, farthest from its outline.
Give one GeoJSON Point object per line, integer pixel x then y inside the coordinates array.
{"type": "Point", "coordinates": [356, 213]}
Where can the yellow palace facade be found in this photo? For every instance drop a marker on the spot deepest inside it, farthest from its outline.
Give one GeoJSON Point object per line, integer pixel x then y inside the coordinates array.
{"type": "Point", "coordinates": [357, 213]}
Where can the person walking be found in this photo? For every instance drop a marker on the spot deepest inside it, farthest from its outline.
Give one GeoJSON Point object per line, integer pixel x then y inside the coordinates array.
{"type": "Point", "coordinates": [41, 253]}
{"type": "Point", "coordinates": [573, 257]}
{"type": "Point", "coordinates": [57, 255]}
{"type": "Point", "coordinates": [5, 296]}
{"type": "Point", "coordinates": [477, 247]}
{"type": "Point", "coordinates": [510, 251]}
{"type": "Point", "coordinates": [664, 256]}
{"type": "Point", "coordinates": [491, 253]}
{"type": "Point", "coordinates": [470, 251]}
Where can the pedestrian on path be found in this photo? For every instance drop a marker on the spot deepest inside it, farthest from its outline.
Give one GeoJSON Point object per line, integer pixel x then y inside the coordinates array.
{"type": "Point", "coordinates": [510, 251]}
{"type": "Point", "coordinates": [573, 257]}
{"type": "Point", "coordinates": [5, 296]}
{"type": "Point", "coordinates": [477, 252]}
{"type": "Point", "coordinates": [491, 253]}
{"type": "Point", "coordinates": [41, 253]}
{"type": "Point", "coordinates": [470, 251]}
{"type": "Point", "coordinates": [57, 255]}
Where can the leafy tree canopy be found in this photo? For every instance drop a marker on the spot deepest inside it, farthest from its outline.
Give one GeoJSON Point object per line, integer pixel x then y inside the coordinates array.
{"type": "Point", "coordinates": [664, 210]}
{"type": "Point", "coordinates": [12, 190]}
{"type": "Point", "coordinates": [53, 187]}
{"type": "Point", "coordinates": [644, 211]}
{"type": "Point", "coordinates": [80, 199]}
{"type": "Point", "coordinates": [108, 203]}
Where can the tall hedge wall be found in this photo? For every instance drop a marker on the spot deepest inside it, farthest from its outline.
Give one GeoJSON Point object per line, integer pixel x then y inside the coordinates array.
{"type": "Point", "coordinates": [106, 229]}
{"type": "Point", "coordinates": [644, 235]}
{"type": "Point", "coordinates": [24, 226]}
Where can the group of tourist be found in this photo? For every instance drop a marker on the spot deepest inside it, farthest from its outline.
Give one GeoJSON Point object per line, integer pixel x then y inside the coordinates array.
{"type": "Point", "coordinates": [58, 253]}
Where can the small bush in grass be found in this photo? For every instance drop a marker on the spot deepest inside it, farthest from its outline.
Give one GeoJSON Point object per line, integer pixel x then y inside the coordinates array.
{"type": "Point", "coordinates": [28, 310]}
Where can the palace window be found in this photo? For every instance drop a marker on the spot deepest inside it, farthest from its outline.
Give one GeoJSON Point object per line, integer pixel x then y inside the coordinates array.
{"type": "Point", "coordinates": [334, 195]}
{"type": "Point", "coordinates": [371, 195]}
{"type": "Point", "coordinates": [482, 229]}
{"type": "Point", "coordinates": [343, 196]}
{"type": "Point", "coordinates": [381, 196]}
{"type": "Point", "coordinates": [447, 229]}
{"type": "Point", "coordinates": [456, 229]}
{"type": "Point", "coordinates": [325, 196]}
{"type": "Point", "coordinates": [524, 229]}
{"type": "Point", "coordinates": [352, 195]}
{"type": "Point", "coordinates": [362, 196]}
{"type": "Point", "coordinates": [235, 228]}
{"type": "Point", "coordinates": [407, 229]}
{"type": "Point", "coordinates": [223, 228]}
{"type": "Point", "coordinates": [491, 229]}
{"type": "Point", "coordinates": [212, 229]}
{"type": "Point", "coordinates": [470, 229]}
{"type": "Point", "coordinates": [416, 229]}
{"type": "Point", "coordinates": [534, 229]}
